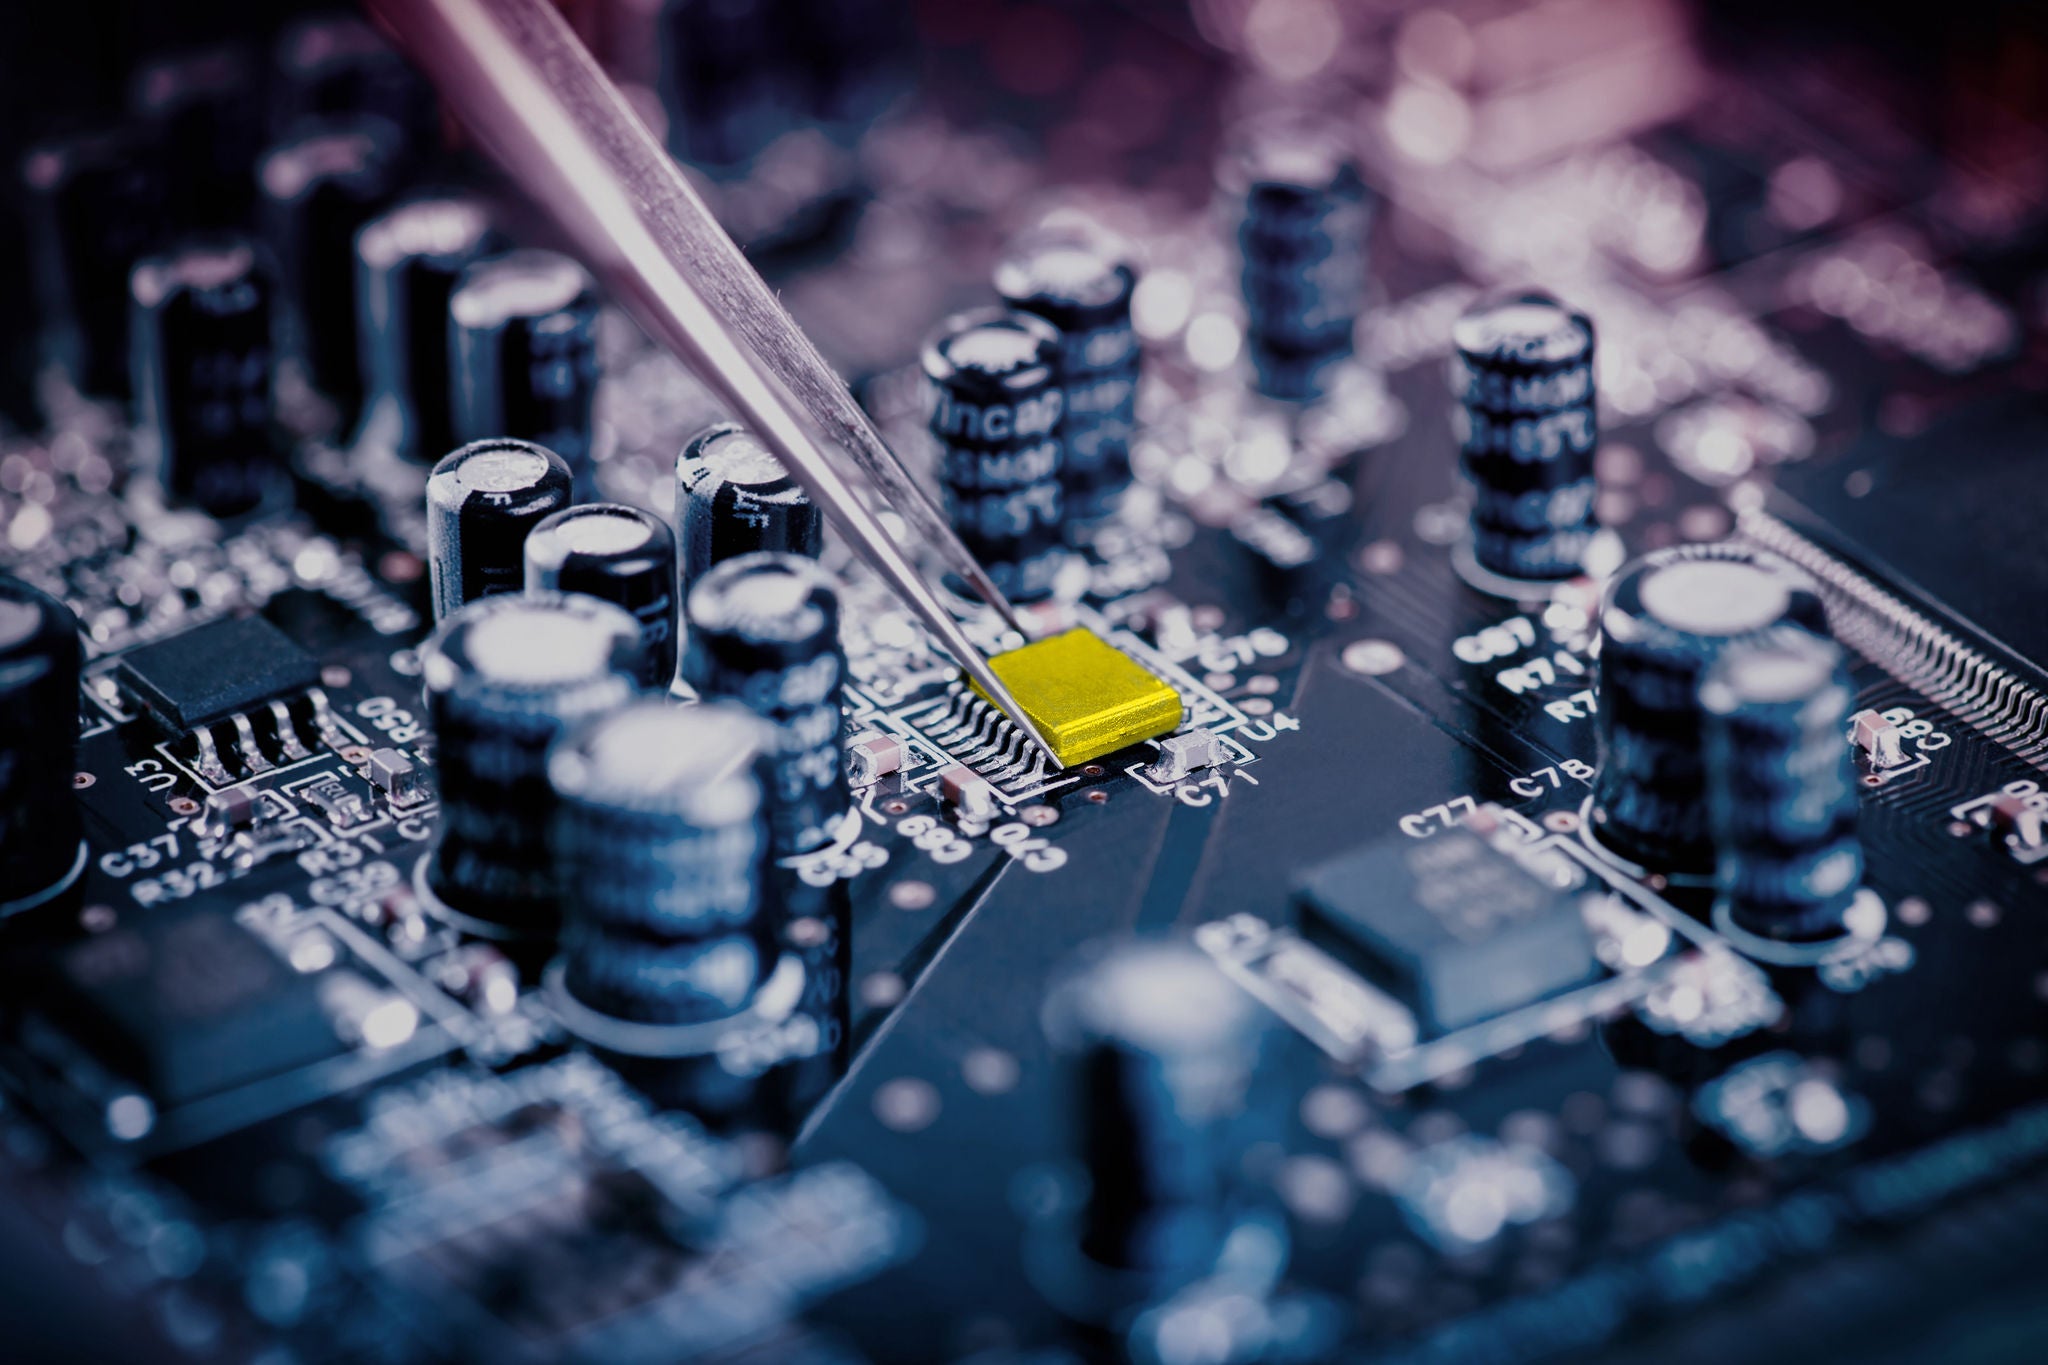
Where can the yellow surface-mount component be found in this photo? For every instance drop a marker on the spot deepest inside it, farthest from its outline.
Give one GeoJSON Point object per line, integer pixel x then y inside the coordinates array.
{"type": "Point", "coordinates": [1085, 695]}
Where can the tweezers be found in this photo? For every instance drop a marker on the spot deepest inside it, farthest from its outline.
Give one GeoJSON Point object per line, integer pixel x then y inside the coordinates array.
{"type": "Point", "coordinates": [517, 77]}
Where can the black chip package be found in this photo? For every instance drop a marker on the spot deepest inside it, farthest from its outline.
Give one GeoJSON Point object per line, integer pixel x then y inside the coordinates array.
{"type": "Point", "coordinates": [187, 1003]}
{"type": "Point", "coordinates": [214, 671]}
{"type": "Point", "coordinates": [1950, 516]}
{"type": "Point", "coordinates": [1454, 928]}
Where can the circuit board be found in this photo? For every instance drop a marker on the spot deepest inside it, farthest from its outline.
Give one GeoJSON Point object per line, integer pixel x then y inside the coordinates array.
{"type": "Point", "coordinates": [259, 1102]}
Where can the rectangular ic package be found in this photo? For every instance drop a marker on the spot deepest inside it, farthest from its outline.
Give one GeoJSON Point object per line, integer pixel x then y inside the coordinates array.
{"type": "Point", "coordinates": [217, 670]}
{"type": "Point", "coordinates": [187, 1003]}
{"type": "Point", "coordinates": [1454, 928]}
{"type": "Point", "coordinates": [1970, 547]}
{"type": "Point", "coordinates": [1086, 697]}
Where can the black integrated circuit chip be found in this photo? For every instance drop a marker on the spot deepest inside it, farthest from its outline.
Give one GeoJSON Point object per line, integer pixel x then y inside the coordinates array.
{"type": "Point", "coordinates": [1950, 516]}
{"type": "Point", "coordinates": [187, 1004]}
{"type": "Point", "coordinates": [1451, 926]}
{"type": "Point", "coordinates": [214, 671]}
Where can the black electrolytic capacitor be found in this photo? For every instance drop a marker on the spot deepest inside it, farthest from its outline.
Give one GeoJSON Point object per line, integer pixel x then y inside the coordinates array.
{"type": "Point", "coordinates": [1159, 1056]}
{"type": "Point", "coordinates": [95, 208]}
{"type": "Point", "coordinates": [525, 338]}
{"type": "Point", "coordinates": [992, 381]}
{"type": "Point", "coordinates": [40, 834]}
{"type": "Point", "coordinates": [764, 631]}
{"type": "Point", "coordinates": [335, 64]}
{"type": "Point", "coordinates": [1302, 239]}
{"type": "Point", "coordinates": [662, 848]}
{"type": "Point", "coordinates": [203, 375]}
{"type": "Point", "coordinates": [1782, 786]}
{"type": "Point", "coordinates": [482, 502]}
{"type": "Point", "coordinates": [1072, 279]}
{"type": "Point", "coordinates": [733, 498]}
{"type": "Point", "coordinates": [316, 189]}
{"type": "Point", "coordinates": [850, 59]}
{"type": "Point", "coordinates": [725, 80]}
{"type": "Point", "coordinates": [1665, 619]}
{"type": "Point", "coordinates": [504, 677]}
{"type": "Point", "coordinates": [407, 265]}
{"type": "Point", "coordinates": [1527, 428]}
{"type": "Point", "coordinates": [17, 344]}
{"type": "Point", "coordinates": [623, 555]}
{"type": "Point", "coordinates": [204, 113]}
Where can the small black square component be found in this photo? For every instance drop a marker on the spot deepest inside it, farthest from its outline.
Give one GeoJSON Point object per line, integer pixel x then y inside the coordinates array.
{"type": "Point", "coordinates": [213, 671]}
{"type": "Point", "coordinates": [186, 1004]}
{"type": "Point", "coordinates": [1451, 926]}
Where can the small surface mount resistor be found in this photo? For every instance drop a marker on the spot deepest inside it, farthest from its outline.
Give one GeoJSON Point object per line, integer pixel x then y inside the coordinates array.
{"type": "Point", "coordinates": [2023, 827]}
{"type": "Point", "coordinates": [1877, 739]}
{"type": "Point", "coordinates": [1180, 755]}
{"type": "Point", "coordinates": [968, 793]}
{"type": "Point", "coordinates": [397, 776]}
{"type": "Point", "coordinates": [871, 756]}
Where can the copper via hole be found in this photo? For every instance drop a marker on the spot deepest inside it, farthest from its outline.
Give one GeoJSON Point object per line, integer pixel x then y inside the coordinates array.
{"type": "Point", "coordinates": [183, 805]}
{"type": "Point", "coordinates": [895, 807]}
{"type": "Point", "coordinates": [1098, 797]}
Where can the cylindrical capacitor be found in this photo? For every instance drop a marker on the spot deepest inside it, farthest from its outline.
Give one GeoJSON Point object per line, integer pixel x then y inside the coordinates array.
{"type": "Point", "coordinates": [1302, 238]}
{"type": "Point", "coordinates": [1523, 378]}
{"type": "Point", "coordinates": [407, 264]}
{"type": "Point", "coordinates": [622, 555]}
{"type": "Point", "coordinates": [1665, 619]}
{"type": "Point", "coordinates": [1782, 786]}
{"type": "Point", "coordinates": [316, 189]}
{"type": "Point", "coordinates": [203, 112]}
{"type": "Point", "coordinates": [1159, 1054]}
{"type": "Point", "coordinates": [525, 338]}
{"type": "Point", "coordinates": [335, 64]}
{"type": "Point", "coordinates": [503, 677]}
{"type": "Point", "coordinates": [724, 79]}
{"type": "Point", "coordinates": [40, 848]}
{"type": "Point", "coordinates": [764, 631]}
{"type": "Point", "coordinates": [18, 407]}
{"type": "Point", "coordinates": [483, 500]}
{"type": "Point", "coordinates": [203, 375]}
{"type": "Point", "coordinates": [1073, 280]}
{"type": "Point", "coordinates": [95, 205]}
{"type": "Point", "coordinates": [733, 498]}
{"type": "Point", "coordinates": [992, 380]}
{"type": "Point", "coordinates": [662, 849]}
{"type": "Point", "coordinates": [851, 59]}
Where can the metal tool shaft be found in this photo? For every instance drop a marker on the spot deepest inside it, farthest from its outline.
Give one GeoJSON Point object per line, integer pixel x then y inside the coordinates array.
{"type": "Point", "coordinates": [534, 97]}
